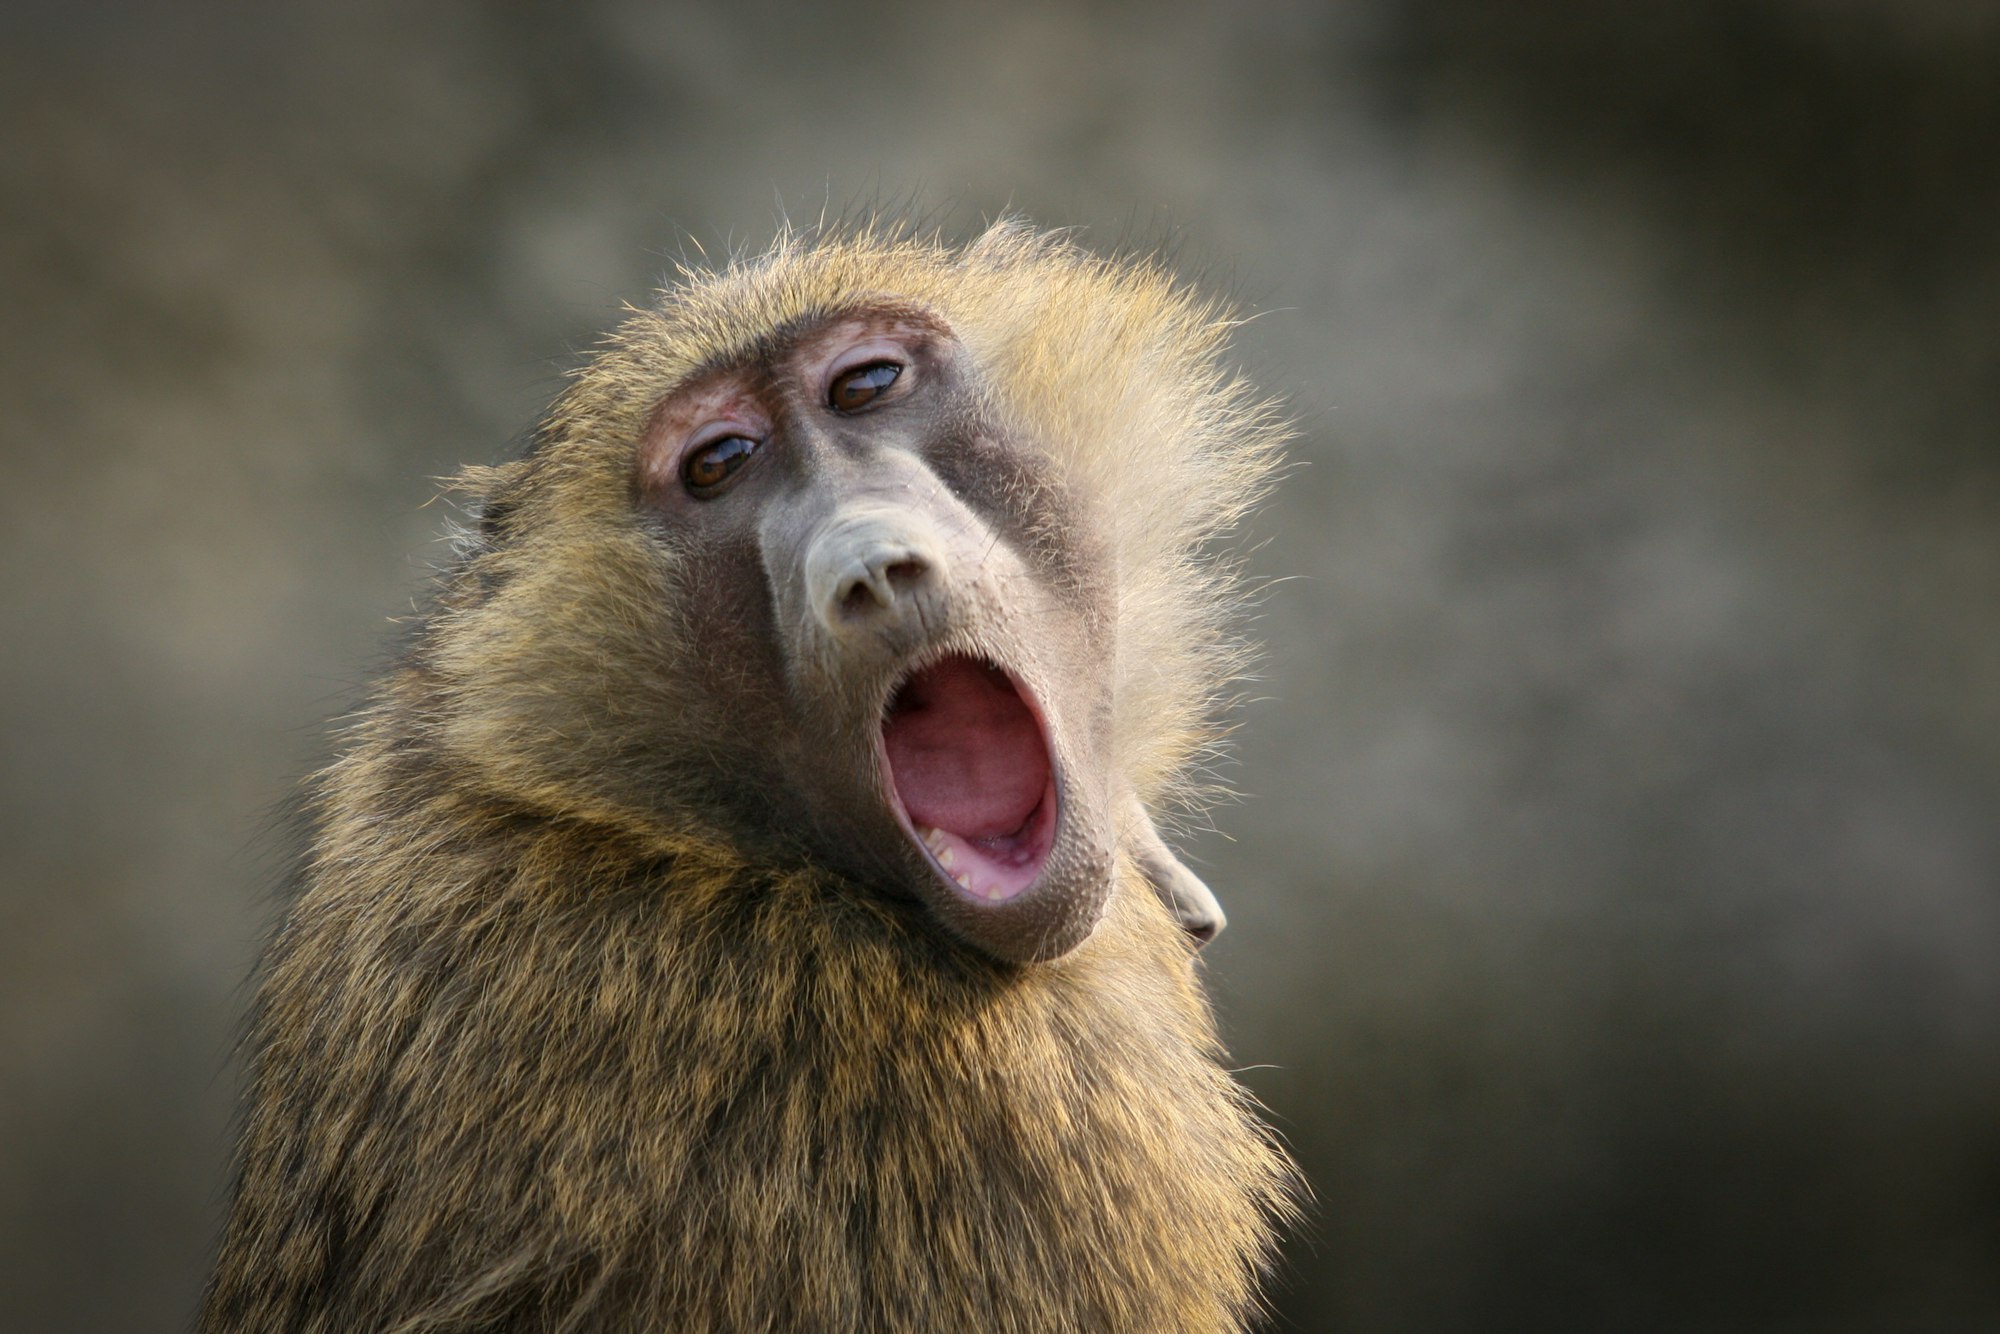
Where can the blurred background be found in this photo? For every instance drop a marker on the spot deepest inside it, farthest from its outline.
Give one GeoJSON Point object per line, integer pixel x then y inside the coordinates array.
{"type": "Point", "coordinates": [1615, 895]}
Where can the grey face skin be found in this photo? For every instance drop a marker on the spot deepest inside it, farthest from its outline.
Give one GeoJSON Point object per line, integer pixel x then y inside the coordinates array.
{"type": "Point", "coordinates": [901, 610]}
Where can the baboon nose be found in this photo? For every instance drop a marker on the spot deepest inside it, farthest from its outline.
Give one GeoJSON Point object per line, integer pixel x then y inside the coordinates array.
{"type": "Point", "coordinates": [873, 569]}
{"type": "Point", "coordinates": [870, 586]}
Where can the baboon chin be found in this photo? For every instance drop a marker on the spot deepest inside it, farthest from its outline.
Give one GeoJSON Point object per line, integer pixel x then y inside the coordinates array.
{"type": "Point", "coordinates": [741, 910]}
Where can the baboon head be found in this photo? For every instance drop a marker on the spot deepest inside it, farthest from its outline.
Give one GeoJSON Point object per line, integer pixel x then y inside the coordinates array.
{"type": "Point", "coordinates": [886, 557]}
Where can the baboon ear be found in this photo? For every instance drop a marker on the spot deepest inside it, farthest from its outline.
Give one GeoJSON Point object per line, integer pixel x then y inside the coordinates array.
{"type": "Point", "coordinates": [493, 516]}
{"type": "Point", "coordinates": [489, 493]}
{"type": "Point", "coordinates": [1191, 901]}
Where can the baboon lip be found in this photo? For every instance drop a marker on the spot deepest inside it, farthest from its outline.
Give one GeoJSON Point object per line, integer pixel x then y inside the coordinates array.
{"type": "Point", "coordinates": [970, 768]}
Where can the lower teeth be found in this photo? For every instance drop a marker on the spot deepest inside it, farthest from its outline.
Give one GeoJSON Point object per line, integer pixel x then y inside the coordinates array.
{"type": "Point", "coordinates": [934, 839]}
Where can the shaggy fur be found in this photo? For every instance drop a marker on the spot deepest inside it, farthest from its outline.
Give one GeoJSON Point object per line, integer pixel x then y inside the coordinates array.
{"type": "Point", "coordinates": [543, 1047]}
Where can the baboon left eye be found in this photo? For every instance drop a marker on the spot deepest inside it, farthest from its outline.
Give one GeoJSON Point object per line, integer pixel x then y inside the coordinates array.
{"type": "Point", "coordinates": [704, 470]}
{"type": "Point", "coordinates": [856, 389]}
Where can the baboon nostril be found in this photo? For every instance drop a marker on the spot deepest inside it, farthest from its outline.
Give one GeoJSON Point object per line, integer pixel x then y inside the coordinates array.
{"type": "Point", "coordinates": [907, 573]}
{"type": "Point", "coordinates": [858, 598]}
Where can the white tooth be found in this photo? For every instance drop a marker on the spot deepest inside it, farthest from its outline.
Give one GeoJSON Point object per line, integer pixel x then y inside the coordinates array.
{"type": "Point", "coordinates": [943, 855]}
{"type": "Point", "coordinates": [994, 892]}
{"type": "Point", "coordinates": [933, 837]}
{"type": "Point", "coordinates": [964, 879]}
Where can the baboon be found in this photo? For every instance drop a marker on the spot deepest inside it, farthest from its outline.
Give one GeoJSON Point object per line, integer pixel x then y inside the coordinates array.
{"type": "Point", "coordinates": [738, 910]}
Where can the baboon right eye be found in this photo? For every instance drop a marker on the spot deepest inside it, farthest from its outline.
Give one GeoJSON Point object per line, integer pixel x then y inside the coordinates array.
{"type": "Point", "coordinates": [708, 466]}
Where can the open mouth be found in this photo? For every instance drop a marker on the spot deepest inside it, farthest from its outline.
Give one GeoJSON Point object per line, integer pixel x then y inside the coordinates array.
{"type": "Point", "coordinates": [968, 761]}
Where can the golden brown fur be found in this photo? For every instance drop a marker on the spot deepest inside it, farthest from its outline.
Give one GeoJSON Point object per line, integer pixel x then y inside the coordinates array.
{"type": "Point", "coordinates": [539, 1049]}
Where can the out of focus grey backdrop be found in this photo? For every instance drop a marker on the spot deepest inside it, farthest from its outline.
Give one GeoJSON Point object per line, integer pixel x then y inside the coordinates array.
{"type": "Point", "coordinates": [1616, 894]}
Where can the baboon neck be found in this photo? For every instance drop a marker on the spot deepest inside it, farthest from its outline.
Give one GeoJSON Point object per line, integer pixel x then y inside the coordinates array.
{"type": "Point", "coordinates": [686, 1085]}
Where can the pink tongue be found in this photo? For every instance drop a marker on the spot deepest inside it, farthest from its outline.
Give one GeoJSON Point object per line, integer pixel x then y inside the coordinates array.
{"type": "Point", "coordinates": [965, 754]}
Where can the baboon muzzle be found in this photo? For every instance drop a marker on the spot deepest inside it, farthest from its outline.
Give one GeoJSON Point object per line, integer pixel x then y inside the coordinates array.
{"type": "Point", "coordinates": [933, 632]}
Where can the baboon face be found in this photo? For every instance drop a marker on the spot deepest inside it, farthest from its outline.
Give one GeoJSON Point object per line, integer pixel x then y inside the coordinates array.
{"type": "Point", "coordinates": [892, 602]}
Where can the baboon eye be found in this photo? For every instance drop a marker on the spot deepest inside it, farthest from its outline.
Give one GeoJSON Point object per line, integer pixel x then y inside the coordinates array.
{"type": "Point", "coordinates": [709, 466]}
{"type": "Point", "coordinates": [856, 389]}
